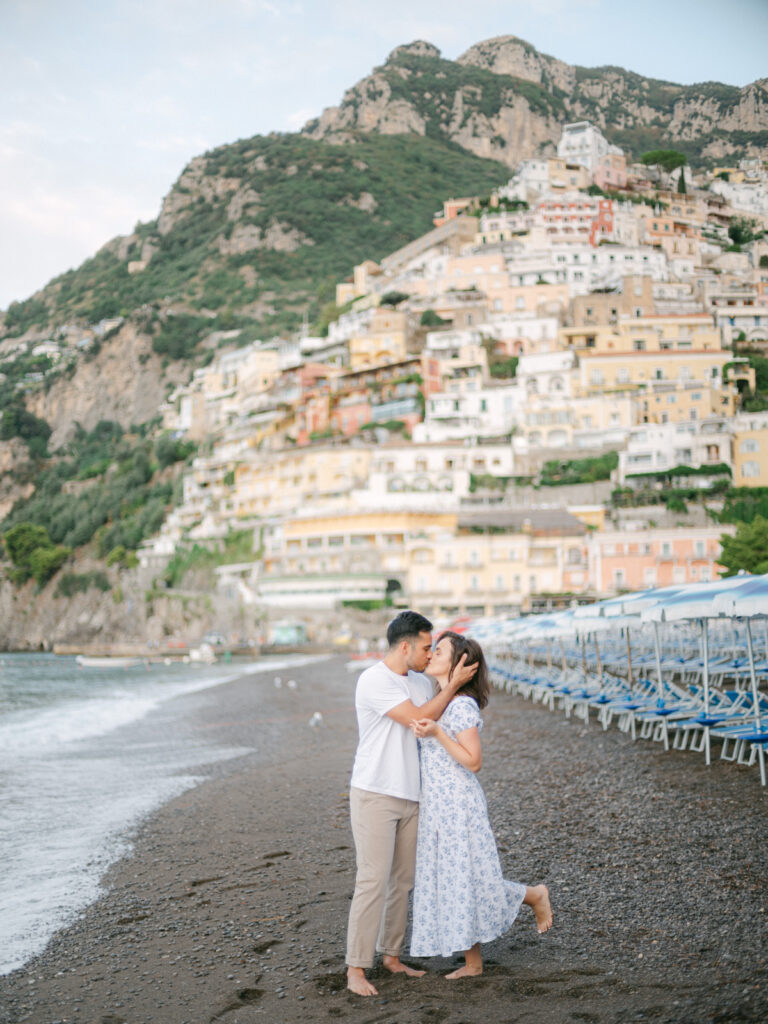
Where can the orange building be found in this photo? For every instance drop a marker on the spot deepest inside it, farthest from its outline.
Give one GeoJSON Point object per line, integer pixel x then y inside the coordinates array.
{"type": "Point", "coordinates": [622, 561]}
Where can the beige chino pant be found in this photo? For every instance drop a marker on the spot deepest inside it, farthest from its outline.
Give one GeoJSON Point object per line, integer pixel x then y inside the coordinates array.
{"type": "Point", "coordinates": [384, 829]}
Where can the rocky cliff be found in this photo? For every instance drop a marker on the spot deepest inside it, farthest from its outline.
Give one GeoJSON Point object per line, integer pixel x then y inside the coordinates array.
{"type": "Point", "coordinates": [505, 100]}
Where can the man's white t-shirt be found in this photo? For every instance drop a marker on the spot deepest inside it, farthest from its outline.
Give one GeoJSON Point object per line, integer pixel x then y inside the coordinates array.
{"type": "Point", "coordinates": [387, 758]}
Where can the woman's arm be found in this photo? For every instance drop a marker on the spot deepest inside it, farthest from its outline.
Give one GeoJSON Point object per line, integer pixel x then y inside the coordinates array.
{"type": "Point", "coordinates": [407, 712]}
{"type": "Point", "coordinates": [466, 748]}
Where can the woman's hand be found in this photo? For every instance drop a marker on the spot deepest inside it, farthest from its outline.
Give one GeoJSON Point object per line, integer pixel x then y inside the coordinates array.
{"type": "Point", "coordinates": [424, 727]}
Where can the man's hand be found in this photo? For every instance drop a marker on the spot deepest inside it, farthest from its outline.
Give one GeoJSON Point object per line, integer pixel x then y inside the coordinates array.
{"type": "Point", "coordinates": [461, 674]}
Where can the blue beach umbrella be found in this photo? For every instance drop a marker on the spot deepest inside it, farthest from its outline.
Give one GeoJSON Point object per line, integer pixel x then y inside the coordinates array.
{"type": "Point", "coordinates": [748, 601]}
{"type": "Point", "coordinates": [693, 603]}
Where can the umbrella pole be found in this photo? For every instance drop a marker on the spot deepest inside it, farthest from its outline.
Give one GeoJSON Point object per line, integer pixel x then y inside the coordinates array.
{"type": "Point", "coordinates": [530, 656]}
{"type": "Point", "coordinates": [549, 657]}
{"type": "Point", "coordinates": [705, 658]}
{"type": "Point", "coordinates": [562, 655]}
{"type": "Point", "coordinates": [597, 656]}
{"type": "Point", "coordinates": [657, 648]}
{"type": "Point", "coordinates": [755, 698]}
{"type": "Point", "coordinates": [584, 658]}
{"type": "Point", "coordinates": [629, 660]}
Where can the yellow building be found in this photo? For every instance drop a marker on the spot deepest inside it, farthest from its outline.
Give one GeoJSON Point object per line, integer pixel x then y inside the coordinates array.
{"type": "Point", "coordinates": [320, 560]}
{"type": "Point", "coordinates": [497, 562]}
{"type": "Point", "coordinates": [385, 341]}
{"type": "Point", "coordinates": [567, 177]}
{"type": "Point", "coordinates": [688, 333]}
{"type": "Point", "coordinates": [750, 450]}
{"type": "Point", "coordinates": [554, 421]}
{"type": "Point", "coordinates": [674, 403]}
{"type": "Point", "coordinates": [285, 481]}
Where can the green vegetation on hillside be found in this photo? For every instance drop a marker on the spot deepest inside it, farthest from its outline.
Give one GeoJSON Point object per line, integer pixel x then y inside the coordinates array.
{"type": "Point", "coordinates": [237, 546]}
{"type": "Point", "coordinates": [578, 471]}
{"type": "Point", "coordinates": [104, 490]}
{"type": "Point", "coordinates": [308, 193]}
{"type": "Point", "coordinates": [431, 84]}
{"type": "Point", "coordinates": [33, 553]}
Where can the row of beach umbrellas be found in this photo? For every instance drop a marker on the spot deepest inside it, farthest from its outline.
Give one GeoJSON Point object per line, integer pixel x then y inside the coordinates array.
{"type": "Point", "coordinates": [616, 624]}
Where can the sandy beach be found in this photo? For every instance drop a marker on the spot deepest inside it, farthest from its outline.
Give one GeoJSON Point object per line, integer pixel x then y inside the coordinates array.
{"type": "Point", "coordinates": [232, 904]}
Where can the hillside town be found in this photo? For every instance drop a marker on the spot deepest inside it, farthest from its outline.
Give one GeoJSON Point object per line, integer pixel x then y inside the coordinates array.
{"type": "Point", "coordinates": [541, 400]}
{"type": "Point", "coordinates": [588, 310]}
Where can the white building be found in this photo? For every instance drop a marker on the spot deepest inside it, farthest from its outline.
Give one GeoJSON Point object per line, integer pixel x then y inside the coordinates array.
{"type": "Point", "coordinates": [489, 412]}
{"type": "Point", "coordinates": [582, 143]}
{"type": "Point", "coordinates": [656, 447]}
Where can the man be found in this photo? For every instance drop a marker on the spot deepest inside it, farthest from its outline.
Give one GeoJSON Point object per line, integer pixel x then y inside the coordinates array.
{"type": "Point", "coordinates": [384, 794]}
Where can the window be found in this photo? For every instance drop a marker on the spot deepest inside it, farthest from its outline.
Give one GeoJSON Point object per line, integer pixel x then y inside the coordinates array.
{"type": "Point", "coordinates": [699, 549]}
{"type": "Point", "coordinates": [649, 576]}
{"type": "Point", "coordinates": [618, 578]}
{"type": "Point", "coordinates": [639, 345]}
{"type": "Point", "coordinates": [749, 445]}
{"type": "Point", "coordinates": [750, 468]}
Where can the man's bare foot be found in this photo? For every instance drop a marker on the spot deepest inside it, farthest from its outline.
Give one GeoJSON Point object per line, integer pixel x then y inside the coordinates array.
{"type": "Point", "coordinates": [395, 965]}
{"type": "Point", "coordinates": [542, 908]}
{"type": "Point", "coordinates": [358, 983]}
{"type": "Point", "coordinates": [465, 972]}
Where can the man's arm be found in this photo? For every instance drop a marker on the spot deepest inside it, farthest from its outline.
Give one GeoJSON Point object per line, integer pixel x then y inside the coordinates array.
{"type": "Point", "coordinates": [408, 712]}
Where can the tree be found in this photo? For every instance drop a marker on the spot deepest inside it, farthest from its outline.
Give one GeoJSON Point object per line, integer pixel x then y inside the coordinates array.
{"type": "Point", "coordinates": [667, 159]}
{"type": "Point", "coordinates": [394, 298]}
{"type": "Point", "coordinates": [741, 230]}
{"type": "Point", "coordinates": [747, 548]}
{"type": "Point", "coordinates": [429, 318]}
{"type": "Point", "coordinates": [681, 187]}
{"type": "Point", "coordinates": [33, 553]}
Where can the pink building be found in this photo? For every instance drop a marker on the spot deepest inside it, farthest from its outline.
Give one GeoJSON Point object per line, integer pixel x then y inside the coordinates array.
{"type": "Point", "coordinates": [574, 218]}
{"type": "Point", "coordinates": [611, 172]}
{"type": "Point", "coordinates": [621, 561]}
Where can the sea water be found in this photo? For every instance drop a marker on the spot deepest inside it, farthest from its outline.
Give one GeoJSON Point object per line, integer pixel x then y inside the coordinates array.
{"type": "Point", "coordinates": [85, 754]}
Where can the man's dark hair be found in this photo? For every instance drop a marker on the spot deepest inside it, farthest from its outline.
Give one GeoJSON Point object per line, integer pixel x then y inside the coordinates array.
{"type": "Point", "coordinates": [407, 626]}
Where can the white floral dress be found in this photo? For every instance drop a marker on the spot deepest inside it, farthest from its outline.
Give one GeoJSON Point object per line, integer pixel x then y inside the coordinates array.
{"type": "Point", "coordinates": [460, 896]}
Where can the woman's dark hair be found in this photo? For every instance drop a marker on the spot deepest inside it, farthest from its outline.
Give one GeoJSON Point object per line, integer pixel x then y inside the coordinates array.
{"type": "Point", "coordinates": [479, 686]}
{"type": "Point", "coordinates": [407, 626]}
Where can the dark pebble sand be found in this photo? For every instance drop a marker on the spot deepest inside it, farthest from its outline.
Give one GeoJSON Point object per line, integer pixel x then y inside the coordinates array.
{"type": "Point", "coordinates": [232, 906]}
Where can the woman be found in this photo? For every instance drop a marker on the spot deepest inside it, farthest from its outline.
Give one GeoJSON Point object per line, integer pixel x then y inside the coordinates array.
{"type": "Point", "coordinates": [460, 898]}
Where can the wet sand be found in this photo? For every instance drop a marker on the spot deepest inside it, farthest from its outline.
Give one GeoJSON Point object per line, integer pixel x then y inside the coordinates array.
{"type": "Point", "coordinates": [232, 905]}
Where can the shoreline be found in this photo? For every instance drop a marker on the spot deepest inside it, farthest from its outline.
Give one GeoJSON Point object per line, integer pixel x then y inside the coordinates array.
{"type": "Point", "coordinates": [232, 902]}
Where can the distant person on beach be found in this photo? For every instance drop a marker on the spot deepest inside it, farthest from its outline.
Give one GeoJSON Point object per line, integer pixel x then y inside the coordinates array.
{"type": "Point", "coordinates": [384, 793]}
{"type": "Point", "coordinates": [460, 898]}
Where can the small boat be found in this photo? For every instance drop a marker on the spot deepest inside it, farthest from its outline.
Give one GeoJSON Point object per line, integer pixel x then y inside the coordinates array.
{"type": "Point", "coordinates": [87, 661]}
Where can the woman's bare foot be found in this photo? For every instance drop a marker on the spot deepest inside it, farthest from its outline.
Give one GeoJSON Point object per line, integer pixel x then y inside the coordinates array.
{"type": "Point", "coordinates": [542, 908]}
{"type": "Point", "coordinates": [465, 972]}
{"type": "Point", "coordinates": [396, 966]}
{"type": "Point", "coordinates": [358, 983]}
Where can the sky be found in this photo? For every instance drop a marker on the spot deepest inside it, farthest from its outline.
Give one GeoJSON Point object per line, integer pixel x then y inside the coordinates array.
{"type": "Point", "coordinates": [103, 102]}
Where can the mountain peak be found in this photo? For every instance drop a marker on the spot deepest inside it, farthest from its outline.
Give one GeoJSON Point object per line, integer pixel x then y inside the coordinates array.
{"type": "Point", "coordinates": [418, 48]}
{"type": "Point", "coordinates": [510, 55]}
